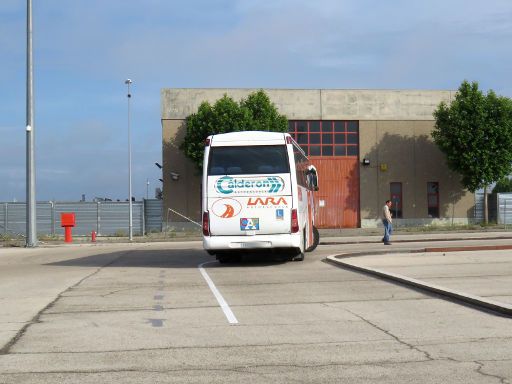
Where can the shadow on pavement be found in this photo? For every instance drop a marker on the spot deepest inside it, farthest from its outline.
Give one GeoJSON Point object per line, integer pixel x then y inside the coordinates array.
{"type": "Point", "coordinates": [172, 258]}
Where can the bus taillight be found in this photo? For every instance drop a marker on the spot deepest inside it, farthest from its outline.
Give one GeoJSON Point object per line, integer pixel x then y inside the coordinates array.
{"type": "Point", "coordinates": [295, 221]}
{"type": "Point", "coordinates": [206, 224]}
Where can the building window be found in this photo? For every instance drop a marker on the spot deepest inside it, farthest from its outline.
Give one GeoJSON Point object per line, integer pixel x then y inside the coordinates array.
{"type": "Point", "coordinates": [395, 190]}
{"type": "Point", "coordinates": [326, 137]}
{"type": "Point", "coordinates": [433, 199]}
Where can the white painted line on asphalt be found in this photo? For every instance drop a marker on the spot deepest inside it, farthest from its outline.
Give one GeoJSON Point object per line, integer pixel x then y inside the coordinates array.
{"type": "Point", "coordinates": [225, 307]}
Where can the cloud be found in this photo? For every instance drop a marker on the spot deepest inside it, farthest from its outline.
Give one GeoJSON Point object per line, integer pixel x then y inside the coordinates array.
{"type": "Point", "coordinates": [84, 50]}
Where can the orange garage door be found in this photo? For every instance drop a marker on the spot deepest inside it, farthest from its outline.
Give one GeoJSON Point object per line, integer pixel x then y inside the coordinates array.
{"type": "Point", "coordinates": [338, 196]}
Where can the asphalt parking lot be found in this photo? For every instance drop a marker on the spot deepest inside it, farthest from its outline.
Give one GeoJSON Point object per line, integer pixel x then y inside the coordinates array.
{"type": "Point", "coordinates": [136, 313]}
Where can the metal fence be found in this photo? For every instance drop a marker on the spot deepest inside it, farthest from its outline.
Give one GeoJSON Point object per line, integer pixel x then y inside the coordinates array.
{"type": "Point", "coordinates": [106, 218]}
{"type": "Point", "coordinates": [499, 205]}
{"type": "Point", "coordinates": [153, 215]}
{"type": "Point", "coordinates": [479, 207]}
{"type": "Point", "coordinates": [504, 208]}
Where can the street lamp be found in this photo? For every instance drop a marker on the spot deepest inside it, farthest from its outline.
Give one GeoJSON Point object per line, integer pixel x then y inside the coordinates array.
{"type": "Point", "coordinates": [147, 189]}
{"type": "Point", "coordinates": [31, 239]}
{"type": "Point", "coordinates": [130, 225]}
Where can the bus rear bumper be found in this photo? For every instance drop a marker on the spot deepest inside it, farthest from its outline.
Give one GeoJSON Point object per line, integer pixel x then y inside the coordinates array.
{"type": "Point", "coordinates": [233, 243]}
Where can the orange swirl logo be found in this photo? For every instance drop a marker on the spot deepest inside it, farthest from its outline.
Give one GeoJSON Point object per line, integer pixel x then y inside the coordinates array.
{"type": "Point", "coordinates": [230, 211]}
{"type": "Point", "coordinates": [226, 208]}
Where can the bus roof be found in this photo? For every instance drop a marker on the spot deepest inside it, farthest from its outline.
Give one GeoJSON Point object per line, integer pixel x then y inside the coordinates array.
{"type": "Point", "coordinates": [248, 138]}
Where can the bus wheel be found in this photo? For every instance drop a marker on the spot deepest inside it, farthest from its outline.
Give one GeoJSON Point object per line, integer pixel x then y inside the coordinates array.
{"type": "Point", "coordinates": [316, 240]}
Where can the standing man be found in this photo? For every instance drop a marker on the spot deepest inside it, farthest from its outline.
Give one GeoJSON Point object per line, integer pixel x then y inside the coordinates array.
{"type": "Point", "coordinates": [386, 220]}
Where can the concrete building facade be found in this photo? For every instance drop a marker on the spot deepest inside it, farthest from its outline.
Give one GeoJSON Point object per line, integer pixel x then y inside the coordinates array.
{"type": "Point", "coordinates": [369, 146]}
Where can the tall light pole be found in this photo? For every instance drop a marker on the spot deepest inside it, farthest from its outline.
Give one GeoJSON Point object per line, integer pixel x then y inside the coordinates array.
{"type": "Point", "coordinates": [31, 239]}
{"type": "Point", "coordinates": [147, 189]}
{"type": "Point", "coordinates": [130, 225]}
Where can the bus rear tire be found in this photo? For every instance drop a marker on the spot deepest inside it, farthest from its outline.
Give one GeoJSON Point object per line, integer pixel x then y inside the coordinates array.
{"type": "Point", "coordinates": [316, 240]}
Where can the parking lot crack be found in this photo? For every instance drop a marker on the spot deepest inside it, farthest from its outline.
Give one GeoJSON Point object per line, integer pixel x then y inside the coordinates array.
{"type": "Point", "coordinates": [480, 370]}
{"type": "Point", "coordinates": [410, 346]}
{"type": "Point", "coordinates": [246, 368]}
{"type": "Point", "coordinates": [5, 350]}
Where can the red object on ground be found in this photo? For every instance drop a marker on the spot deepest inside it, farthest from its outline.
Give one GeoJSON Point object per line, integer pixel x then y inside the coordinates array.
{"type": "Point", "coordinates": [93, 236]}
{"type": "Point", "coordinates": [67, 220]}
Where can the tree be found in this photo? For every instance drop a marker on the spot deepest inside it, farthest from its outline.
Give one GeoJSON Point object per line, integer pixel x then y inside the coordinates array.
{"type": "Point", "coordinates": [255, 113]}
{"type": "Point", "coordinates": [475, 133]}
{"type": "Point", "coordinates": [503, 185]}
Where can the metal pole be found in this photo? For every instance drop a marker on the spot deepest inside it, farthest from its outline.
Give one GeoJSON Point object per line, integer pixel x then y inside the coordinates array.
{"type": "Point", "coordinates": [143, 216]}
{"type": "Point", "coordinates": [52, 207]}
{"type": "Point", "coordinates": [505, 214]}
{"type": "Point", "coordinates": [31, 239]}
{"type": "Point", "coordinates": [147, 189]}
{"type": "Point", "coordinates": [6, 218]}
{"type": "Point", "coordinates": [130, 225]}
{"type": "Point", "coordinates": [98, 218]}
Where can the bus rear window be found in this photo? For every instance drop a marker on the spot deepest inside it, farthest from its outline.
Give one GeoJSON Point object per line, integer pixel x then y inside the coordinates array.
{"type": "Point", "coordinates": [244, 160]}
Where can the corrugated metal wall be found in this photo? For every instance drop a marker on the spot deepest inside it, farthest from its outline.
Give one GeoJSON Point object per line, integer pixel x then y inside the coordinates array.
{"type": "Point", "coordinates": [339, 191]}
{"type": "Point", "coordinates": [500, 207]}
{"type": "Point", "coordinates": [106, 218]}
{"type": "Point", "coordinates": [504, 208]}
{"type": "Point", "coordinates": [479, 207]}
{"type": "Point", "coordinates": [153, 210]}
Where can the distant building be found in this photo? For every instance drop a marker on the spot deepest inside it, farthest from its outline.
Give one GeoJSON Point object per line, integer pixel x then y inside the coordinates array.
{"type": "Point", "coordinates": [101, 199]}
{"type": "Point", "coordinates": [368, 146]}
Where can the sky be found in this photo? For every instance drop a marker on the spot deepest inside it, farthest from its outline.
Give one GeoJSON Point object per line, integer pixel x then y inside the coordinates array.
{"type": "Point", "coordinates": [84, 50]}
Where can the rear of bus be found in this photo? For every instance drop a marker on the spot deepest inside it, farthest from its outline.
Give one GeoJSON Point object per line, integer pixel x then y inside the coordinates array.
{"type": "Point", "coordinates": [248, 194]}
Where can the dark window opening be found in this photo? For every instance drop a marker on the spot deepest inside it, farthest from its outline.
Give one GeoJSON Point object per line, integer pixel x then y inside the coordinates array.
{"type": "Point", "coordinates": [327, 151]}
{"type": "Point", "coordinates": [326, 138]}
{"type": "Point", "coordinates": [326, 126]}
{"type": "Point", "coordinates": [340, 150]}
{"type": "Point", "coordinates": [433, 199]}
{"type": "Point", "coordinates": [353, 126]}
{"type": "Point", "coordinates": [395, 190]}
{"type": "Point", "coordinates": [302, 126]}
{"type": "Point", "coordinates": [339, 126]}
{"type": "Point", "coordinates": [352, 150]}
{"type": "Point", "coordinates": [247, 160]}
{"type": "Point", "coordinates": [314, 126]}
{"type": "Point", "coordinates": [314, 138]}
{"type": "Point", "coordinates": [314, 150]}
{"type": "Point", "coordinates": [352, 139]}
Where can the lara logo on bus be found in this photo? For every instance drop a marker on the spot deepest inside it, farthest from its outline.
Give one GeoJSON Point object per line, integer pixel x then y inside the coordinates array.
{"type": "Point", "coordinates": [264, 202]}
{"type": "Point", "coordinates": [243, 185]}
{"type": "Point", "coordinates": [226, 208]}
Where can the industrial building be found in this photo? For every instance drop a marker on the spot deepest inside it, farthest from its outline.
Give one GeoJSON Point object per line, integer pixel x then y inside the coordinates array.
{"type": "Point", "coordinates": [368, 146]}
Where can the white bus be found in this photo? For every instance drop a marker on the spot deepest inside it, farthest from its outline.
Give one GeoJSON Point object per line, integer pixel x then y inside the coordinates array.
{"type": "Point", "coordinates": [258, 194]}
